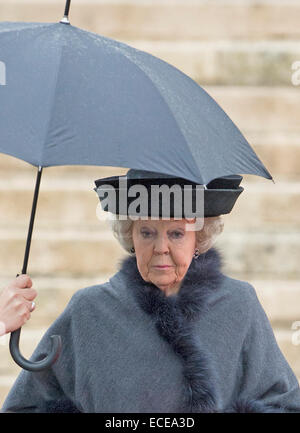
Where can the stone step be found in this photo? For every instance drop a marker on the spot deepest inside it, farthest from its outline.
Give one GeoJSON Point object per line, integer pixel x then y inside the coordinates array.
{"type": "Point", "coordinates": [266, 205]}
{"type": "Point", "coordinates": [77, 252]}
{"type": "Point", "coordinates": [29, 339]}
{"type": "Point", "coordinates": [70, 202]}
{"type": "Point", "coordinates": [280, 300]}
{"type": "Point", "coordinates": [260, 109]}
{"type": "Point", "coordinates": [226, 62]}
{"type": "Point", "coordinates": [251, 253]}
{"type": "Point", "coordinates": [168, 19]}
{"type": "Point", "coordinates": [281, 159]}
{"type": "Point", "coordinates": [255, 254]}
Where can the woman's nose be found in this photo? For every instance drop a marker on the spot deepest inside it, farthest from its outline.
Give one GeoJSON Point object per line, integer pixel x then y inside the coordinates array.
{"type": "Point", "coordinates": [161, 245]}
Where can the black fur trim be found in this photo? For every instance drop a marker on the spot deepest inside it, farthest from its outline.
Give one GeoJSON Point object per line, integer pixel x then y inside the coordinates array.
{"type": "Point", "coordinates": [174, 316]}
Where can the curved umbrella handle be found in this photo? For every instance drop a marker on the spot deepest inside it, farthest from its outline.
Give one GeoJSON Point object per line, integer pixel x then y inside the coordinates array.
{"type": "Point", "coordinates": [15, 335]}
{"type": "Point", "coordinates": [30, 365]}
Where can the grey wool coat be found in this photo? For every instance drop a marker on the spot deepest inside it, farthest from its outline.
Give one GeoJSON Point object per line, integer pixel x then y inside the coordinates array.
{"type": "Point", "coordinates": [129, 348]}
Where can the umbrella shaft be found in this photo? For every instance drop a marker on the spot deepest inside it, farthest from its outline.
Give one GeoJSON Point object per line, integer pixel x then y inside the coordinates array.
{"type": "Point", "coordinates": [32, 216]}
{"type": "Point", "coordinates": [67, 7]}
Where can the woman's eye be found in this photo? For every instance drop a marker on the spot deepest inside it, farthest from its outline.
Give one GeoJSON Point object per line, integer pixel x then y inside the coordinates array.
{"type": "Point", "coordinates": [146, 234]}
{"type": "Point", "coordinates": [177, 235]}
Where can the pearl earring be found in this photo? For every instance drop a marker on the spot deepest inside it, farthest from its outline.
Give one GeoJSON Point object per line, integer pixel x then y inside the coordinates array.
{"type": "Point", "coordinates": [196, 253]}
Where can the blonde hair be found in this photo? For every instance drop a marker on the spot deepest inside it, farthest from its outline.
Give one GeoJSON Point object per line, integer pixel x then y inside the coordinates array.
{"type": "Point", "coordinates": [205, 238]}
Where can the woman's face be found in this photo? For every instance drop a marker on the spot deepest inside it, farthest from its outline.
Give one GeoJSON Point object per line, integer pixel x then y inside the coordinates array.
{"type": "Point", "coordinates": [164, 251]}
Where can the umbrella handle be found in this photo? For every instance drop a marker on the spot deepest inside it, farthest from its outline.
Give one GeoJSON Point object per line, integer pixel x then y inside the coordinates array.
{"type": "Point", "coordinates": [30, 365]}
{"type": "Point", "coordinates": [15, 335]}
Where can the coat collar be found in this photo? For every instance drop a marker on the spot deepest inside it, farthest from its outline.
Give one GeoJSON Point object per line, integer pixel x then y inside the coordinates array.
{"type": "Point", "coordinates": [174, 317]}
{"type": "Point", "coordinates": [203, 276]}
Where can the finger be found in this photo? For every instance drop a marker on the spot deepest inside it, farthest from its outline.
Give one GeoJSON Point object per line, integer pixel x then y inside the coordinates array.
{"type": "Point", "coordinates": [26, 315]}
{"type": "Point", "coordinates": [28, 294]}
{"type": "Point", "coordinates": [23, 312]}
{"type": "Point", "coordinates": [22, 281]}
{"type": "Point", "coordinates": [27, 307]}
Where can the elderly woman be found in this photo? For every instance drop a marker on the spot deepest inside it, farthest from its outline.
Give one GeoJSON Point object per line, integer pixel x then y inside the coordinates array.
{"type": "Point", "coordinates": [169, 332]}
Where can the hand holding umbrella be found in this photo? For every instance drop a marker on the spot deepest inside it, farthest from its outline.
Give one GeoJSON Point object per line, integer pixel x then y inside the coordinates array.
{"type": "Point", "coordinates": [16, 304]}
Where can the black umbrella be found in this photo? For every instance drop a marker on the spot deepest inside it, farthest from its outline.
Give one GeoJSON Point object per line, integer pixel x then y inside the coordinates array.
{"type": "Point", "coordinates": [73, 97]}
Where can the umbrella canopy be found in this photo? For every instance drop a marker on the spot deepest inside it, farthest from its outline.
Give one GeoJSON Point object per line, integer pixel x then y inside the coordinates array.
{"type": "Point", "coordinates": [75, 97]}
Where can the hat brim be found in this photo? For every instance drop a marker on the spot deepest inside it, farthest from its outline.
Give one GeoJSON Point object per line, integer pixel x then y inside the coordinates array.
{"type": "Point", "coordinates": [219, 197]}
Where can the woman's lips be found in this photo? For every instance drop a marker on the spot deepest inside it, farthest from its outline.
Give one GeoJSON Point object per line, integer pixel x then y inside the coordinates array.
{"type": "Point", "coordinates": [163, 266]}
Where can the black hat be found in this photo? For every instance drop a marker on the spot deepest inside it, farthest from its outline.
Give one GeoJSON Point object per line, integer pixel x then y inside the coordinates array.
{"type": "Point", "coordinates": [219, 195]}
